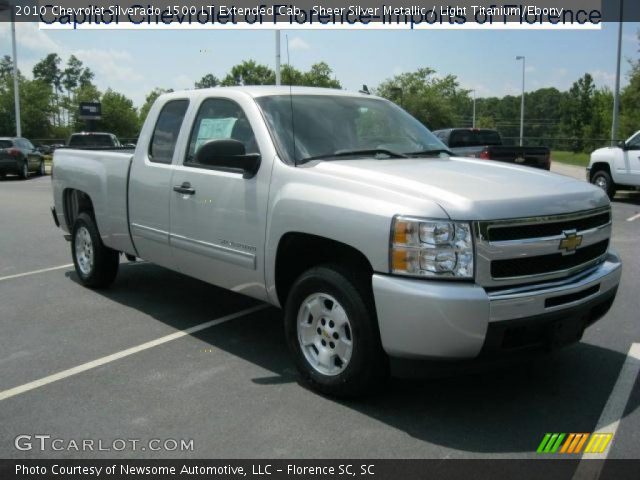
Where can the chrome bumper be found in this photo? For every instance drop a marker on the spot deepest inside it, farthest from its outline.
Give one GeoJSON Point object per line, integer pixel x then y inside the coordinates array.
{"type": "Point", "coordinates": [436, 319]}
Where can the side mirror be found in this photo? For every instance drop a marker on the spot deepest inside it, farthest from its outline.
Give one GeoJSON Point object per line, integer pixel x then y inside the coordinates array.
{"type": "Point", "coordinates": [622, 144]}
{"type": "Point", "coordinates": [229, 155]}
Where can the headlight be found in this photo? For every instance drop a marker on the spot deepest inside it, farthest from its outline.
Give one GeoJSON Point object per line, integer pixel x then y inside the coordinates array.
{"type": "Point", "coordinates": [431, 248]}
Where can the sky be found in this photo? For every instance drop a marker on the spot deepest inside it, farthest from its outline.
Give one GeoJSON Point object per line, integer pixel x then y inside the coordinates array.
{"type": "Point", "coordinates": [134, 62]}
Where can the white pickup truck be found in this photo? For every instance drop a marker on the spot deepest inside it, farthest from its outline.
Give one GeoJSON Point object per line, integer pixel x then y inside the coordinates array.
{"type": "Point", "coordinates": [349, 214]}
{"type": "Point", "coordinates": [616, 168]}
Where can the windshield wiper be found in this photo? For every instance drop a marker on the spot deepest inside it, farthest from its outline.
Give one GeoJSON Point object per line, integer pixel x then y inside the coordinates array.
{"type": "Point", "coordinates": [426, 153]}
{"type": "Point", "coordinates": [349, 153]}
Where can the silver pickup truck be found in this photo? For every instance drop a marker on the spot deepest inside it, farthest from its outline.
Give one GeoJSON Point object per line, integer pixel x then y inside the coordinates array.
{"type": "Point", "coordinates": [346, 212]}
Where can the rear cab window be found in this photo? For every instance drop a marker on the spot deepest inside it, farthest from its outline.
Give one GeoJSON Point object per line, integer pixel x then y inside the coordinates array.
{"type": "Point", "coordinates": [473, 138]}
{"type": "Point", "coordinates": [166, 131]}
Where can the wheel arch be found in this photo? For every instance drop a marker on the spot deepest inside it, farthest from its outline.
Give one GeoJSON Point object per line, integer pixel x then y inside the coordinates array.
{"type": "Point", "coordinates": [297, 252]}
{"type": "Point", "coordinates": [74, 203]}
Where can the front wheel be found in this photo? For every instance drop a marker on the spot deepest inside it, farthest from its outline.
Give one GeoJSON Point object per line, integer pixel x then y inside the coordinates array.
{"type": "Point", "coordinates": [603, 180]}
{"type": "Point", "coordinates": [332, 332]}
{"type": "Point", "coordinates": [96, 264]}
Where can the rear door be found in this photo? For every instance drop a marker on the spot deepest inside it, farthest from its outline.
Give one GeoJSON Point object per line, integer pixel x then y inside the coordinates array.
{"type": "Point", "coordinates": [150, 185]}
{"type": "Point", "coordinates": [218, 229]}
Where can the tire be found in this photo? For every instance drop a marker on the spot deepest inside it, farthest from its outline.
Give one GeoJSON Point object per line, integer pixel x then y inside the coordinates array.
{"type": "Point", "coordinates": [602, 179]}
{"type": "Point", "coordinates": [24, 171]}
{"type": "Point", "coordinates": [42, 170]}
{"type": "Point", "coordinates": [335, 357]}
{"type": "Point", "coordinates": [96, 264]}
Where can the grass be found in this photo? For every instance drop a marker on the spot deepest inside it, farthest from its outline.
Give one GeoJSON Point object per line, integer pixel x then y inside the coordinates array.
{"type": "Point", "coordinates": [580, 159]}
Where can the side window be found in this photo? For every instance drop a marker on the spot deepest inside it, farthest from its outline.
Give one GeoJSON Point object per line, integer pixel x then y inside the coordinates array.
{"type": "Point", "coordinates": [634, 143]}
{"type": "Point", "coordinates": [220, 119]}
{"type": "Point", "coordinates": [165, 134]}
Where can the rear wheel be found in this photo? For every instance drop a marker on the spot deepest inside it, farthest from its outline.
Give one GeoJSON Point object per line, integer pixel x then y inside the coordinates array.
{"type": "Point", "coordinates": [96, 264]}
{"type": "Point", "coordinates": [24, 171]}
{"type": "Point", "coordinates": [42, 171]}
{"type": "Point", "coordinates": [602, 179]}
{"type": "Point", "coordinates": [332, 331]}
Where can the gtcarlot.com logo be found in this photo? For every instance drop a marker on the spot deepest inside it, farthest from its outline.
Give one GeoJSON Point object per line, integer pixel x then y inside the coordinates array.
{"type": "Point", "coordinates": [575, 442]}
{"type": "Point", "coordinates": [44, 443]}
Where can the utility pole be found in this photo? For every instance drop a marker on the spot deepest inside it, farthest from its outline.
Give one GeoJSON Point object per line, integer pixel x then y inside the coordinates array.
{"type": "Point", "coordinates": [278, 77]}
{"type": "Point", "coordinates": [616, 94]}
{"type": "Point", "coordinates": [521, 57]}
{"type": "Point", "coordinates": [16, 84]}
{"type": "Point", "coordinates": [473, 121]}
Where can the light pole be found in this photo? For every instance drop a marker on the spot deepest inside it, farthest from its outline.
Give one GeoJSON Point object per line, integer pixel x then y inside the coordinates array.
{"type": "Point", "coordinates": [616, 94]}
{"type": "Point", "coordinates": [278, 77]}
{"type": "Point", "coordinates": [473, 118]}
{"type": "Point", "coordinates": [16, 85]}
{"type": "Point", "coordinates": [521, 57]}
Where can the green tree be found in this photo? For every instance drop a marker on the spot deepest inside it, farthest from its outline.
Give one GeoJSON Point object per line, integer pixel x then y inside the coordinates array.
{"type": "Point", "coordinates": [249, 73]}
{"type": "Point", "coordinates": [630, 101]}
{"type": "Point", "coordinates": [119, 116]}
{"type": "Point", "coordinates": [48, 71]}
{"type": "Point", "coordinates": [578, 110]}
{"type": "Point", "coordinates": [427, 97]}
{"type": "Point", "coordinates": [208, 81]}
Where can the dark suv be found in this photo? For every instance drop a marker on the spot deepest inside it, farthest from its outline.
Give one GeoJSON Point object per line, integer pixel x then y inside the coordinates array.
{"type": "Point", "coordinates": [19, 156]}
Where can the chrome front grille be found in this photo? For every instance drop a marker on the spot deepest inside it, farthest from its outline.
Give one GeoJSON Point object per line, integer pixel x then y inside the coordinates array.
{"type": "Point", "coordinates": [529, 250]}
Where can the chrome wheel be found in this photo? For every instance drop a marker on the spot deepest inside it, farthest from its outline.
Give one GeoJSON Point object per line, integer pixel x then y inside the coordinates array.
{"type": "Point", "coordinates": [324, 334]}
{"type": "Point", "coordinates": [84, 250]}
{"type": "Point", "coordinates": [601, 182]}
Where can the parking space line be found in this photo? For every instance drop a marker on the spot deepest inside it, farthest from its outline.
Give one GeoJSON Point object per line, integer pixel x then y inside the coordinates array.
{"type": "Point", "coordinates": [33, 272]}
{"type": "Point", "coordinates": [12, 392]}
{"type": "Point", "coordinates": [634, 217]}
{"type": "Point", "coordinates": [612, 413]}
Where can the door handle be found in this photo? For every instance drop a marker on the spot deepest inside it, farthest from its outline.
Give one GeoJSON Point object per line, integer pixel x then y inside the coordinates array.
{"type": "Point", "coordinates": [185, 189]}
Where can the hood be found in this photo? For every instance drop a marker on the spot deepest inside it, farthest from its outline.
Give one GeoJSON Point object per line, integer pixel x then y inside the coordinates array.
{"type": "Point", "coordinates": [469, 189]}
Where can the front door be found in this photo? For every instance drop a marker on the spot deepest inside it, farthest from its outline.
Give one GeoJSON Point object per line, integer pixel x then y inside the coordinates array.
{"type": "Point", "coordinates": [218, 217]}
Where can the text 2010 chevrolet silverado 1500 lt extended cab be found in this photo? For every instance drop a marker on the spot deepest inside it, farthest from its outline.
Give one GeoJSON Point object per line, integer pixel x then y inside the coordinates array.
{"type": "Point", "coordinates": [350, 215]}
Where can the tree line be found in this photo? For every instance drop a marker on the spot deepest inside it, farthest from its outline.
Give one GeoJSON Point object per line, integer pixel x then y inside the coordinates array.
{"type": "Point", "coordinates": [577, 119]}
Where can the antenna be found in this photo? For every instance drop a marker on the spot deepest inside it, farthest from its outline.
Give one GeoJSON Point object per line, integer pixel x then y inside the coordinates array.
{"type": "Point", "coordinates": [293, 129]}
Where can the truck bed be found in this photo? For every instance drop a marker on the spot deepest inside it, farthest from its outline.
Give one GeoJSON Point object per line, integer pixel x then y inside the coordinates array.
{"type": "Point", "coordinates": [103, 175]}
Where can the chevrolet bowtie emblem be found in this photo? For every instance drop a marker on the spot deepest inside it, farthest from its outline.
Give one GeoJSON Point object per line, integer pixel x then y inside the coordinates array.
{"type": "Point", "coordinates": [570, 242]}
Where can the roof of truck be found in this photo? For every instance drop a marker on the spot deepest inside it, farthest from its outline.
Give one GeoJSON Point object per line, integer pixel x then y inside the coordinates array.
{"type": "Point", "coordinates": [264, 90]}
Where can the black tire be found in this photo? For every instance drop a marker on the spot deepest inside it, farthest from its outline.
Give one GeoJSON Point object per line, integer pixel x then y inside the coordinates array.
{"type": "Point", "coordinates": [602, 179]}
{"type": "Point", "coordinates": [367, 367]}
{"type": "Point", "coordinates": [102, 271]}
{"type": "Point", "coordinates": [24, 171]}
{"type": "Point", "coordinates": [42, 170]}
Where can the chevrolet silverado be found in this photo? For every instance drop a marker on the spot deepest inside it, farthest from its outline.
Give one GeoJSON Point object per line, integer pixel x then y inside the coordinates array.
{"type": "Point", "coordinates": [347, 213]}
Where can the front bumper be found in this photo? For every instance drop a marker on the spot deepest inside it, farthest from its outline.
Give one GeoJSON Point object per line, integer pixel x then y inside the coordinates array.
{"type": "Point", "coordinates": [454, 320]}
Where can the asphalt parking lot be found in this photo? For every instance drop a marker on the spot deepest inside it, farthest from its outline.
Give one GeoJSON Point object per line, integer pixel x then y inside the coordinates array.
{"type": "Point", "coordinates": [232, 389]}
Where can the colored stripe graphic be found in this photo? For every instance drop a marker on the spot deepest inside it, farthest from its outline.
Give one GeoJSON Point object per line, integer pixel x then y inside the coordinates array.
{"type": "Point", "coordinates": [598, 442]}
{"type": "Point", "coordinates": [550, 443]}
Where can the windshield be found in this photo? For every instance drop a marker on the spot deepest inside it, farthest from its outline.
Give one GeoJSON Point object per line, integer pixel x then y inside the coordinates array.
{"type": "Point", "coordinates": [473, 138]}
{"type": "Point", "coordinates": [6, 144]}
{"type": "Point", "coordinates": [326, 124]}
